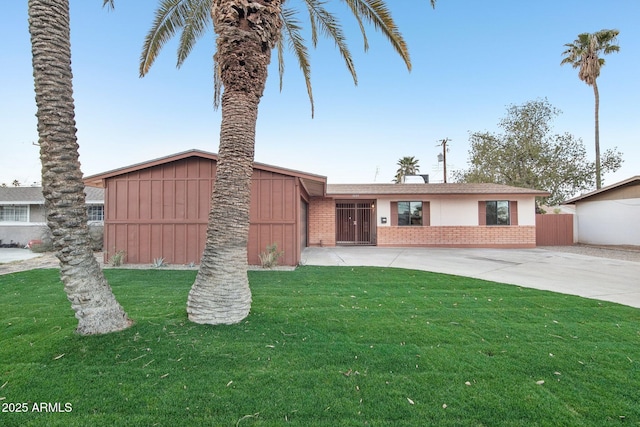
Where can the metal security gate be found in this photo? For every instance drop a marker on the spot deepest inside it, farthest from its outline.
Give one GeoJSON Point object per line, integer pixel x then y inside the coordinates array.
{"type": "Point", "coordinates": [304, 223]}
{"type": "Point", "coordinates": [355, 223]}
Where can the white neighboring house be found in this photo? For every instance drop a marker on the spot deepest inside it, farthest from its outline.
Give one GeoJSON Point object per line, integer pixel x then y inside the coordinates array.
{"type": "Point", "coordinates": [611, 215]}
{"type": "Point", "coordinates": [22, 215]}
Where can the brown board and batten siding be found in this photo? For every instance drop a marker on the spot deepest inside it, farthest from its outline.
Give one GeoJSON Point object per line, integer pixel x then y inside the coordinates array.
{"type": "Point", "coordinates": [554, 229]}
{"type": "Point", "coordinates": [160, 209]}
{"type": "Point", "coordinates": [274, 209]}
{"type": "Point", "coordinates": [160, 212]}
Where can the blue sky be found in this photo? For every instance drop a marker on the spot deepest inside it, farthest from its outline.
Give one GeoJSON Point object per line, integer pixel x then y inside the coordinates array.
{"type": "Point", "coordinates": [471, 60]}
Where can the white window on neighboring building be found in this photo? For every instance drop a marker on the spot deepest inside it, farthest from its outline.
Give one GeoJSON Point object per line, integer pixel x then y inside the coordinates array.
{"type": "Point", "coordinates": [18, 213]}
{"type": "Point", "coordinates": [95, 212]}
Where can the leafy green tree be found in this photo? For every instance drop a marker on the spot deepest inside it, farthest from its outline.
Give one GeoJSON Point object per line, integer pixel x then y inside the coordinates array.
{"type": "Point", "coordinates": [408, 165]}
{"type": "Point", "coordinates": [584, 53]}
{"type": "Point", "coordinates": [246, 33]}
{"type": "Point", "coordinates": [87, 289]}
{"type": "Point", "coordinates": [528, 154]}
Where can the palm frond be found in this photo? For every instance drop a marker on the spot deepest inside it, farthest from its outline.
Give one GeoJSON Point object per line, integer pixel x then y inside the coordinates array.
{"type": "Point", "coordinates": [377, 13]}
{"type": "Point", "coordinates": [109, 3]}
{"type": "Point", "coordinates": [169, 18]}
{"type": "Point", "coordinates": [312, 24]}
{"type": "Point", "coordinates": [584, 53]}
{"type": "Point", "coordinates": [196, 24]}
{"type": "Point", "coordinates": [330, 26]}
{"type": "Point", "coordinates": [192, 18]}
{"type": "Point", "coordinates": [363, 30]}
{"type": "Point", "coordinates": [571, 55]}
{"type": "Point", "coordinates": [293, 32]}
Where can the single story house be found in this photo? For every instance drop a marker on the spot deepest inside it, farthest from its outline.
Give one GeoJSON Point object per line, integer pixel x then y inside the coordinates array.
{"type": "Point", "coordinates": [611, 215]}
{"type": "Point", "coordinates": [159, 209]}
{"type": "Point", "coordinates": [22, 214]}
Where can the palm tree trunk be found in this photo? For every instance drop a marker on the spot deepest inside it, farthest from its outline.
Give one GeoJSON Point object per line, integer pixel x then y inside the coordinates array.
{"type": "Point", "coordinates": [246, 34]}
{"type": "Point", "coordinates": [598, 171]}
{"type": "Point", "coordinates": [220, 293]}
{"type": "Point", "coordinates": [90, 295]}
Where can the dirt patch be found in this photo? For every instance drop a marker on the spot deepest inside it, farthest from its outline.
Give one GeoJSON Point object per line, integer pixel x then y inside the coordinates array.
{"type": "Point", "coordinates": [46, 260]}
{"type": "Point", "coordinates": [49, 260]}
{"type": "Point", "coordinates": [624, 253]}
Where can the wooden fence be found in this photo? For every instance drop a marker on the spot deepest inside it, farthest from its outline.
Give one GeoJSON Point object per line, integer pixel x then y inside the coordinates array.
{"type": "Point", "coordinates": [554, 230]}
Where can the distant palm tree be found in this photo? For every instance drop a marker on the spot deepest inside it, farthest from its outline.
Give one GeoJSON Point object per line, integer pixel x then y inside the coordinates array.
{"type": "Point", "coordinates": [584, 53]}
{"type": "Point", "coordinates": [246, 32]}
{"type": "Point", "coordinates": [87, 289]}
{"type": "Point", "coordinates": [408, 166]}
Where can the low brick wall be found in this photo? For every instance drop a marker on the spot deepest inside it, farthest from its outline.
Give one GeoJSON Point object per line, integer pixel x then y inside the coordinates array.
{"type": "Point", "coordinates": [459, 236]}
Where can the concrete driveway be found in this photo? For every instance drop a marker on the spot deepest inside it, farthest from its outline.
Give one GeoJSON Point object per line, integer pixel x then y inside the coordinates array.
{"type": "Point", "coordinates": [568, 273]}
{"type": "Point", "coordinates": [16, 254]}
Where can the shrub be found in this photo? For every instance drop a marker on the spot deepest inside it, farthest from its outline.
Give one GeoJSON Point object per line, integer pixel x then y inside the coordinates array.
{"type": "Point", "coordinates": [45, 243]}
{"type": "Point", "coordinates": [117, 259]}
{"type": "Point", "coordinates": [158, 263]}
{"type": "Point", "coordinates": [41, 246]}
{"type": "Point", "coordinates": [269, 259]}
{"type": "Point", "coordinates": [96, 234]}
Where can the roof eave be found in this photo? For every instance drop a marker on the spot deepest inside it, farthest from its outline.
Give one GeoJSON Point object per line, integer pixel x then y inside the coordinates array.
{"type": "Point", "coordinates": [634, 180]}
{"type": "Point", "coordinates": [98, 180]}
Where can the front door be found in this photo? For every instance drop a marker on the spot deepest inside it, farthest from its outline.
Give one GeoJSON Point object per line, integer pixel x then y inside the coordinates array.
{"type": "Point", "coordinates": [355, 223]}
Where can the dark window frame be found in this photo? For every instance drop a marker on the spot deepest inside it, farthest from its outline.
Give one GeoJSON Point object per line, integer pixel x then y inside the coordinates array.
{"type": "Point", "coordinates": [498, 212]}
{"type": "Point", "coordinates": [412, 215]}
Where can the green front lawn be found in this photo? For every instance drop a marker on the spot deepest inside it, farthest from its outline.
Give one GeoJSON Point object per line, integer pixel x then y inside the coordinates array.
{"type": "Point", "coordinates": [323, 346]}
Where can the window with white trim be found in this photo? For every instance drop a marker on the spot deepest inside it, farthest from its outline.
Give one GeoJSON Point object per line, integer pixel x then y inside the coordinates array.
{"type": "Point", "coordinates": [17, 213]}
{"type": "Point", "coordinates": [95, 212]}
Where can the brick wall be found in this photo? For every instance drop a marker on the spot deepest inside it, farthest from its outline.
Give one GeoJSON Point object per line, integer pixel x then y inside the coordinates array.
{"type": "Point", "coordinates": [322, 232]}
{"type": "Point", "coordinates": [322, 222]}
{"type": "Point", "coordinates": [459, 236]}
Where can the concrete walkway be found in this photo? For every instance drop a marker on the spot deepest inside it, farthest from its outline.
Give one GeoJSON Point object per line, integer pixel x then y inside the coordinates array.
{"type": "Point", "coordinates": [568, 273]}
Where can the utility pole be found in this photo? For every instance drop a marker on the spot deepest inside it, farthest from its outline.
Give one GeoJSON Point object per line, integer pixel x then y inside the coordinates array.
{"type": "Point", "coordinates": [443, 157]}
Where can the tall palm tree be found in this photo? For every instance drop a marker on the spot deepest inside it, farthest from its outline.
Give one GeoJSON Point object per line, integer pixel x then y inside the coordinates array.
{"type": "Point", "coordinates": [408, 166]}
{"type": "Point", "coordinates": [246, 33]}
{"type": "Point", "coordinates": [87, 289]}
{"type": "Point", "coordinates": [584, 53]}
